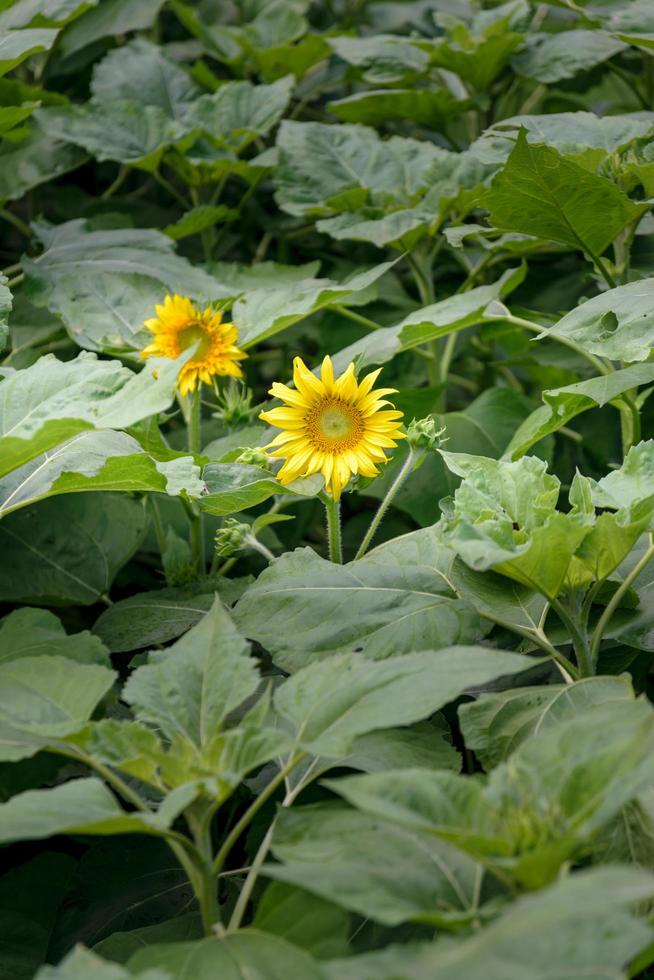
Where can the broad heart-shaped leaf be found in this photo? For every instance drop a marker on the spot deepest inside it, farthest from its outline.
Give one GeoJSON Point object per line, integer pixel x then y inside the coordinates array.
{"type": "Point", "coordinates": [498, 598]}
{"type": "Point", "coordinates": [267, 310]}
{"type": "Point", "coordinates": [84, 274]}
{"type": "Point", "coordinates": [44, 405]}
{"type": "Point", "coordinates": [541, 806]}
{"type": "Point", "coordinates": [80, 806]}
{"type": "Point", "coordinates": [335, 853]}
{"type": "Point", "coordinates": [427, 107]}
{"type": "Point", "coordinates": [304, 919]}
{"type": "Point", "coordinates": [187, 690]}
{"type": "Point", "coordinates": [15, 46]}
{"type": "Point", "coordinates": [539, 192]}
{"type": "Point", "coordinates": [234, 487]}
{"type": "Point", "coordinates": [553, 57]}
{"type": "Point", "coordinates": [34, 160]}
{"type": "Point", "coordinates": [66, 550]}
{"type": "Point", "coordinates": [127, 131]}
{"type": "Point", "coordinates": [448, 315]}
{"type": "Point", "coordinates": [587, 912]}
{"type": "Point", "coordinates": [366, 695]}
{"type": "Point", "coordinates": [238, 112]}
{"type": "Point", "coordinates": [38, 632]}
{"type": "Point", "coordinates": [495, 724]}
{"type": "Point", "coordinates": [244, 955]}
{"type": "Point", "coordinates": [81, 963]}
{"type": "Point", "coordinates": [109, 18]}
{"type": "Point", "coordinates": [564, 404]}
{"type": "Point", "coordinates": [104, 460]}
{"type": "Point", "coordinates": [394, 601]}
{"type": "Point", "coordinates": [141, 72]}
{"type": "Point", "coordinates": [629, 485]}
{"type": "Point", "coordinates": [618, 324]}
{"type": "Point", "coordinates": [45, 698]}
{"type": "Point", "coordinates": [582, 136]}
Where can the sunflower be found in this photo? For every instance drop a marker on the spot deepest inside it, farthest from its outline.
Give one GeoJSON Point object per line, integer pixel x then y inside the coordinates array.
{"type": "Point", "coordinates": [178, 325]}
{"type": "Point", "coordinates": [331, 426]}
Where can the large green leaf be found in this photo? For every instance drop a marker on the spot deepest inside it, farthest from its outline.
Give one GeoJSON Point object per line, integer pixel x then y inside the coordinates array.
{"type": "Point", "coordinates": [302, 918]}
{"type": "Point", "coordinates": [243, 955]}
{"type": "Point", "coordinates": [383, 58]}
{"type": "Point", "coordinates": [80, 964]}
{"type": "Point", "coordinates": [437, 320]}
{"type": "Point", "coordinates": [234, 487]}
{"type": "Point", "coordinates": [629, 485]}
{"type": "Point", "coordinates": [539, 192]}
{"type": "Point", "coordinates": [149, 618]}
{"type": "Point", "coordinates": [365, 695]}
{"type": "Point", "coordinates": [554, 57]}
{"type": "Point", "coordinates": [44, 699]}
{"type": "Point", "coordinates": [105, 460]}
{"type": "Point", "coordinates": [272, 307]}
{"type": "Point", "coordinates": [239, 112]}
{"type": "Point", "coordinates": [38, 632]}
{"type": "Point", "coordinates": [427, 107]}
{"type": "Point", "coordinates": [394, 601]}
{"type": "Point", "coordinates": [51, 401]}
{"type": "Point", "coordinates": [33, 161]}
{"type": "Point", "coordinates": [108, 18]}
{"type": "Point", "coordinates": [495, 724]}
{"type": "Point", "coordinates": [43, 13]}
{"type": "Point", "coordinates": [564, 404]}
{"type": "Point", "coordinates": [618, 324]}
{"type": "Point", "coordinates": [15, 46]}
{"type": "Point", "coordinates": [103, 283]}
{"type": "Point", "coordinates": [66, 550]}
{"type": "Point", "coordinates": [141, 72]}
{"type": "Point", "coordinates": [335, 852]}
{"type": "Point", "coordinates": [587, 912]}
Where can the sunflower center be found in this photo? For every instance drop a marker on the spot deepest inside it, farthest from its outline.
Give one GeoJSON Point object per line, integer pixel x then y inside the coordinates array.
{"type": "Point", "coordinates": [195, 335]}
{"type": "Point", "coordinates": [333, 425]}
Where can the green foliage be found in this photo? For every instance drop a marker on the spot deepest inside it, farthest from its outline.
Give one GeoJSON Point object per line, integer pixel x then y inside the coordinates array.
{"type": "Point", "coordinates": [248, 730]}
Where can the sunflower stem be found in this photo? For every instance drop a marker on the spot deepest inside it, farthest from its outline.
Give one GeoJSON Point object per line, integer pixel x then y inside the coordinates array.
{"type": "Point", "coordinates": [333, 511]}
{"type": "Point", "coordinates": [195, 447]}
{"type": "Point", "coordinates": [391, 493]}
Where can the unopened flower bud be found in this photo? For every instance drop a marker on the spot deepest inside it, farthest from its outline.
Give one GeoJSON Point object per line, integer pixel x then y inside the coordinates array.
{"type": "Point", "coordinates": [231, 537]}
{"type": "Point", "coordinates": [423, 434]}
{"type": "Point", "coordinates": [253, 456]}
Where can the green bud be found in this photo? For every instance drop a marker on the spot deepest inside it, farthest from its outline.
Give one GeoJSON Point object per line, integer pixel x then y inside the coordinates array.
{"type": "Point", "coordinates": [235, 403]}
{"type": "Point", "coordinates": [231, 537]}
{"type": "Point", "coordinates": [254, 457]}
{"type": "Point", "coordinates": [423, 434]}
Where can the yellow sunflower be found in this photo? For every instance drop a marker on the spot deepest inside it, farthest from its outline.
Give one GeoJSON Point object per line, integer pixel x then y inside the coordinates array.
{"type": "Point", "coordinates": [178, 325]}
{"type": "Point", "coordinates": [332, 426]}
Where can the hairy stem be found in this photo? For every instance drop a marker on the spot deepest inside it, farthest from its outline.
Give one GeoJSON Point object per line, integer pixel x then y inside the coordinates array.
{"type": "Point", "coordinates": [194, 434]}
{"type": "Point", "coordinates": [391, 493]}
{"type": "Point", "coordinates": [333, 512]}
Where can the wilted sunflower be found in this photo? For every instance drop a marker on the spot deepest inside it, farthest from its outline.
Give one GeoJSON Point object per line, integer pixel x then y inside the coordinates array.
{"type": "Point", "coordinates": [178, 325]}
{"type": "Point", "coordinates": [331, 426]}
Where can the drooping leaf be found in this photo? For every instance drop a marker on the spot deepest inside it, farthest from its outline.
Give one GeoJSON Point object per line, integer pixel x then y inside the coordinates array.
{"type": "Point", "coordinates": [15, 46]}
{"type": "Point", "coordinates": [393, 601]}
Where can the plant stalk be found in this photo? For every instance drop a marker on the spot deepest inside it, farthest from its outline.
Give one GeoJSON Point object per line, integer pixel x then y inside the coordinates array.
{"type": "Point", "coordinates": [333, 512]}
{"type": "Point", "coordinates": [615, 599]}
{"type": "Point", "coordinates": [391, 493]}
{"type": "Point", "coordinates": [195, 447]}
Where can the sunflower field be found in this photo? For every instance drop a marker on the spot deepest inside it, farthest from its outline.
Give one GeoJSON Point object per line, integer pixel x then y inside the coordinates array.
{"type": "Point", "coordinates": [326, 489]}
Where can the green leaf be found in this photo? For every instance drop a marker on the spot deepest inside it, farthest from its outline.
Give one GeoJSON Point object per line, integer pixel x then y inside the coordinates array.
{"type": "Point", "coordinates": [367, 695]}
{"type": "Point", "coordinates": [127, 131]}
{"type": "Point", "coordinates": [564, 404]}
{"type": "Point", "coordinates": [15, 46]}
{"type": "Point", "coordinates": [43, 699]}
{"type": "Point", "coordinates": [586, 911]}
{"type": "Point", "coordinates": [233, 487]}
{"type": "Point", "coordinates": [80, 806]}
{"type": "Point", "coordinates": [37, 13]}
{"type": "Point", "coordinates": [499, 599]}
{"type": "Point", "coordinates": [334, 852]}
{"type": "Point", "coordinates": [554, 57]}
{"type": "Point", "coordinates": [629, 485]}
{"type": "Point", "coordinates": [437, 320]}
{"type": "Point", "coordinates": [66, 550]}
{"type": "Point", "coordinates": [141, 72]}
{"type": "Point", "coordinates": [273, 307]}
{"type": "Point", "coordinates": [426, 107]}
{"type": "Point", "coordinates": [617, 324]}
{"type": "Point", "coordinates": [5, 309]}
{"type": "Point", "coordinates": [477, 59]}
{"type": "Point", "coordinates": [152, 618]}
{"type": "Point", "coordinates": [495, 724]}
{"type": "Point", "coordinates": [239, 112]}
{"type": "Point", "coordinates": [50, 402]}
{"type": "Point", "coordinates": [80, 964]}
{"type": "Point", "coordinates": [394, 601]}
{"type": "Point", "coordinates": [110, 18]}
{"type": "Point", "coordinates": [33, 161]}
{"type": "Point", "coordinates": [427, 744]}
{"type": "Point", "coordinates": [307, 921]}
{"type": "Point", "coordinates": [539, 192]}
{"type": "Point", "coordinates": [198, 219]}
{"type": "Point", "coordinates": [37, 632]}
{"type": "Point", "coordinates": [104, 283]}
{"type": "Point", "coordinates": [99, 461]}
{"type": "Point", "coordinates": [383, 58]}
{"type": "Point", "coordinates": [239, 955]}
